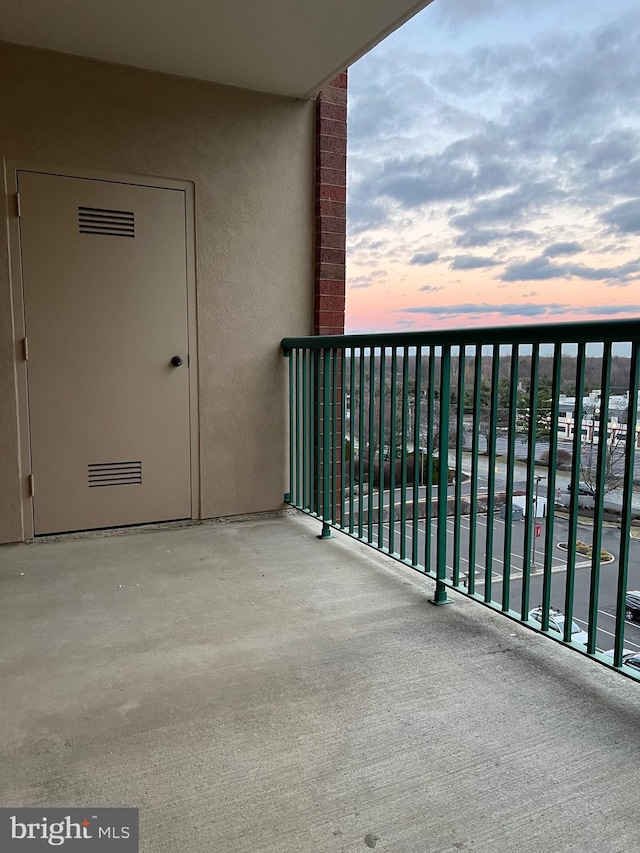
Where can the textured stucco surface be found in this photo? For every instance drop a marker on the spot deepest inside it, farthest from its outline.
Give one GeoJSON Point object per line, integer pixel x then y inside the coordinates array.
{"type": "Point", "coordinates": [250, 158]}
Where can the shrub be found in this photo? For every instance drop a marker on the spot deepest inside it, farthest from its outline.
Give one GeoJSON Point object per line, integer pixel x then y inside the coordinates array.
{"type": "Point", "coordinates": [435, 471]}
{"type": "Point", "coordinates": [587, 550]}
{"type": "Point", "coordinates": [563, 459]}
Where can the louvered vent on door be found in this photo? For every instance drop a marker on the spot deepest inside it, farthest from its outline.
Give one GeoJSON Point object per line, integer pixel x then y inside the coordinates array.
{"type": "Point", "coordinates": [115, 474]}
{"type": "Point", "coordinates": [112, 223]}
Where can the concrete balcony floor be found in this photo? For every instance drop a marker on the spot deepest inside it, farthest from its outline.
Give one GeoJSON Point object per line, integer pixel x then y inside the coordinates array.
{"type": "Point", "coordinates": [252, 688]}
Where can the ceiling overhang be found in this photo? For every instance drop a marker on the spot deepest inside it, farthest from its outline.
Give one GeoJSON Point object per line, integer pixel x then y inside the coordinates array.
{"type": "Point", "coordinates": [287, 47]}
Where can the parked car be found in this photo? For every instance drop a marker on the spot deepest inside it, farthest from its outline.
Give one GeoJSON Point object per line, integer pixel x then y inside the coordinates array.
{"type": "Point", "coordinates": [583, 489]}
{"type": "Point", "coordinates": [556, 623]}
{"type": "Point", "coordinates": [632, 606]}
{"type": "Point", "coordinates": [631, 659]}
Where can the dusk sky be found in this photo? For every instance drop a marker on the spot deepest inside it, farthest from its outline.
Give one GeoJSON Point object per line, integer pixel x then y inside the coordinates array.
{"type": "Point", "coordinates": [494, 167]}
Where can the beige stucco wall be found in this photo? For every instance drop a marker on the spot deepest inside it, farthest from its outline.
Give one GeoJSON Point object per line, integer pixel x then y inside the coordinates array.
{"type": "Point", "coordinates": [250, 157]}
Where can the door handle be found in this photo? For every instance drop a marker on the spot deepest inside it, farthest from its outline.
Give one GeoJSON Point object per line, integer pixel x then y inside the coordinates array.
{"type": "Point", "coordinates": [176, 361]}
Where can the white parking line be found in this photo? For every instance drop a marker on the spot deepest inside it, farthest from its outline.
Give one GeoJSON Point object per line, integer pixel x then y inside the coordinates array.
{"type": "Point", "coordinates": [517, 575]}
{"type": "Point", "coordinates": [608, 633]}
{"type": "Point", "coordinates": [555, 567]}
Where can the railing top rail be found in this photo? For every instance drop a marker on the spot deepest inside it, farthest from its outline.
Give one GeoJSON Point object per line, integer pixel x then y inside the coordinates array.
{"type": "Point", "coordinates": [550, 333]}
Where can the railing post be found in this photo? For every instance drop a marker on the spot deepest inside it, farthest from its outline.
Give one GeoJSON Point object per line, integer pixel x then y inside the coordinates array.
{"type": "Point", "coordinates": [326, 442]}
{"type": "Point", "coordinates": [627, 508]}
{"type": "Point", "coordinates": [440, 595]}
{"type": "Point", "coordinates": [511, 458]}
{"type": "Point", "coordinates": [293, 429]}
{"type": "Point", "coordinates": [457, 504]}
{"type": "Point", "coordinates": [428, 486]}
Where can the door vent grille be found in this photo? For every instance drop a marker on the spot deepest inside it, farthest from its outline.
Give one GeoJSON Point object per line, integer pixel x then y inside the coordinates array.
{"type": "Point", "coordinates": [113, 223]}
{"type": "Point", "coordinates": [115, 474]}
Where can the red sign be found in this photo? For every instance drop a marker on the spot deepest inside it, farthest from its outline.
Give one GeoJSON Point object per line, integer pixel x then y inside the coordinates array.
{"type": "Point", "coordinates": [538, 530]}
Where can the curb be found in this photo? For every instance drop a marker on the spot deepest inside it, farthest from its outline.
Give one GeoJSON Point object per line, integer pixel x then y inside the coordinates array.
{"type": "Point", "coordinates": [588, 522]}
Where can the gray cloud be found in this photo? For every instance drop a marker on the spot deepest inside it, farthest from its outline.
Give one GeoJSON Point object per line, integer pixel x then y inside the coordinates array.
{"type": "Point", "coordinates": [416, 181]}
{"type": "Point", "coordinates": [516, 308]}
{"type": "Point", "coordinates": [539, 269]}
{"type": "Point", "coordinates": [511, 207]}
{"type": "Point", "coordinates": [360, 282]}
{"type": "Point", "coordinates": [621, 273]}
{"type": "Point", "coordinates": [556, 249]}
{"type": "Point", "coordinates": [380, 109]}
{"type": "Point", "coordinates": [429, 288]}
{"type": "Point", "coordinates": [519, 309]}
{"type": "Point", "coordinates": [623, 180]}
{"type": "Point", "coordinates": [618, 147]}
{"type": "Point", "coordinates": [624, 217]}
{"type": "Point", "coordinates": [365, 214]}
{"type": "Point", "coordinates": [485, 236]}
{"type": "Point", "coordinates": [423, 259]}
{"type": "Point", "coordinates": [460, 14]}
{"type": "Point", "coordinates": [471, 262]}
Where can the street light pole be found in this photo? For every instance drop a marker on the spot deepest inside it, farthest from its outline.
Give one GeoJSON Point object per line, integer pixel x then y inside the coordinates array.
{"type": "Point", "coordinates": [533, 518]}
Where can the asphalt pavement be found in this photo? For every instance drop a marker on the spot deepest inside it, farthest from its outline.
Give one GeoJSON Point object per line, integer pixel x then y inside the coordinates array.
{"type": "Point", "coordinates": [513, 562]}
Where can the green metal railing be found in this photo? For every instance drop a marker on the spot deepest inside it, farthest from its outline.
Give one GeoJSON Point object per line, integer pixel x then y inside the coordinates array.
{"type": "Point", "coordinates": [467, 455]}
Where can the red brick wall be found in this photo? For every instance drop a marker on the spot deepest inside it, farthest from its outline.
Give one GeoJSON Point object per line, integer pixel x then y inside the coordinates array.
{"type": "Point", "coordinates": [331, 207]}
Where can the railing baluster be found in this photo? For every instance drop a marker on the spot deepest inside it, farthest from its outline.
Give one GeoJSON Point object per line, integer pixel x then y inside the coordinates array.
{"type": "Point", "coordinates": [417, 459]}
{"type": "Point", "coordinates": [318, 448]}
{"type": "Point", "coordinates": [457, 503]}
{"type": "Point", "coordinates": [551, 478]}
{"type": "Point", "coordinates": [403, 457]}
{"type": "Point", "coordinates": [602, 464]}
{"type": "Point", "coordinates": [573, 506]}
{"type": "Point", "coordinates": [371, 440]}
{"type": "Point", "coordinates": [292, 427]}
{"type": "Point", "coordinates": [475, 438]}
{"type": "Point", "coordinates": [393, 451]}
{"type": "Point", "coordinates": [428, 497]}
{"type": "Point", "coordinates": [361, 419]}
{"type": "Point", "coordinates": [627, 502]}
{"type": "Point", "coordinates": [334, 435]}
{"type": "Point", "coordinates": [343, 438]}
{"type": "Point", "coordinates": [511, 461]}
{"type": "Point", "coordinates": [352, 446]}
{"type": "Point", "coordinates": [530, 497]}
{"type": "Point", "coordinates": [440, 595]}
{"type": "Point", "coordinates": [381, 441]}
{"type": "Point", "coordinates": [324, 411]}
{"type": "Point", "coordinates": [306, 429]}
{"type": "Point", "coordinates": [491, 472]}
{"type": "Point", "coordinates": [298, 501]}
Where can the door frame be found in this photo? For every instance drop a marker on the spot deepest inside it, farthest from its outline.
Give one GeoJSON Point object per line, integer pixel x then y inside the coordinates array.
{"type": "Point", "coordinates": [12, 168]}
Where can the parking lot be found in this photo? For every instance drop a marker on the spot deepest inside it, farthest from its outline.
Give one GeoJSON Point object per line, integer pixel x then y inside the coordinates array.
{"type": "Point", "coordinates": [513, 563]}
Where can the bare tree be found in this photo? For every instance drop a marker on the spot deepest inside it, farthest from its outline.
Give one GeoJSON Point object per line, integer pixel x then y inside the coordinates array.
{"type": "Point", "coordinates": [613, 473]}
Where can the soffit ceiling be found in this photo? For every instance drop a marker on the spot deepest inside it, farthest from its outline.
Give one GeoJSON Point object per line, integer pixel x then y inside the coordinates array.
{"type": "Point", "coordinates": [288, 47]}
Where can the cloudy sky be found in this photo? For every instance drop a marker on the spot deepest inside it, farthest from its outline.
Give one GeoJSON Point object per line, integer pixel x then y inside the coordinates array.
{"type": "Point", "coordinates": [494, 167]}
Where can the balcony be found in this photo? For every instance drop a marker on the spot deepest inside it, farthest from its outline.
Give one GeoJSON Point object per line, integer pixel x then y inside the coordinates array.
{"type": "Point", "coordinates": [251, 687]}
{"type": "Point", "coordinates": [266, 684]}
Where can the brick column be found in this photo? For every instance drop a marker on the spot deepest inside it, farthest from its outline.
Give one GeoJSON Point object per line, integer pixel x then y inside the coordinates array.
{"type": "Point", "coordinates": [331, 224]}
{"type": "Point", "coordinates": [331, 207]}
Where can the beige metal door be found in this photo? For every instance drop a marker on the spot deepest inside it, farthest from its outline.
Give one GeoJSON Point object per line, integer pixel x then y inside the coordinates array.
{"type": "Point", "coordinates": [105, 291]}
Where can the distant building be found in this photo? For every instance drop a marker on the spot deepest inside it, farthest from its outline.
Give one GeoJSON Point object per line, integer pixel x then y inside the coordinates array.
{"type": "Point", "coordinates": [616, 422]}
